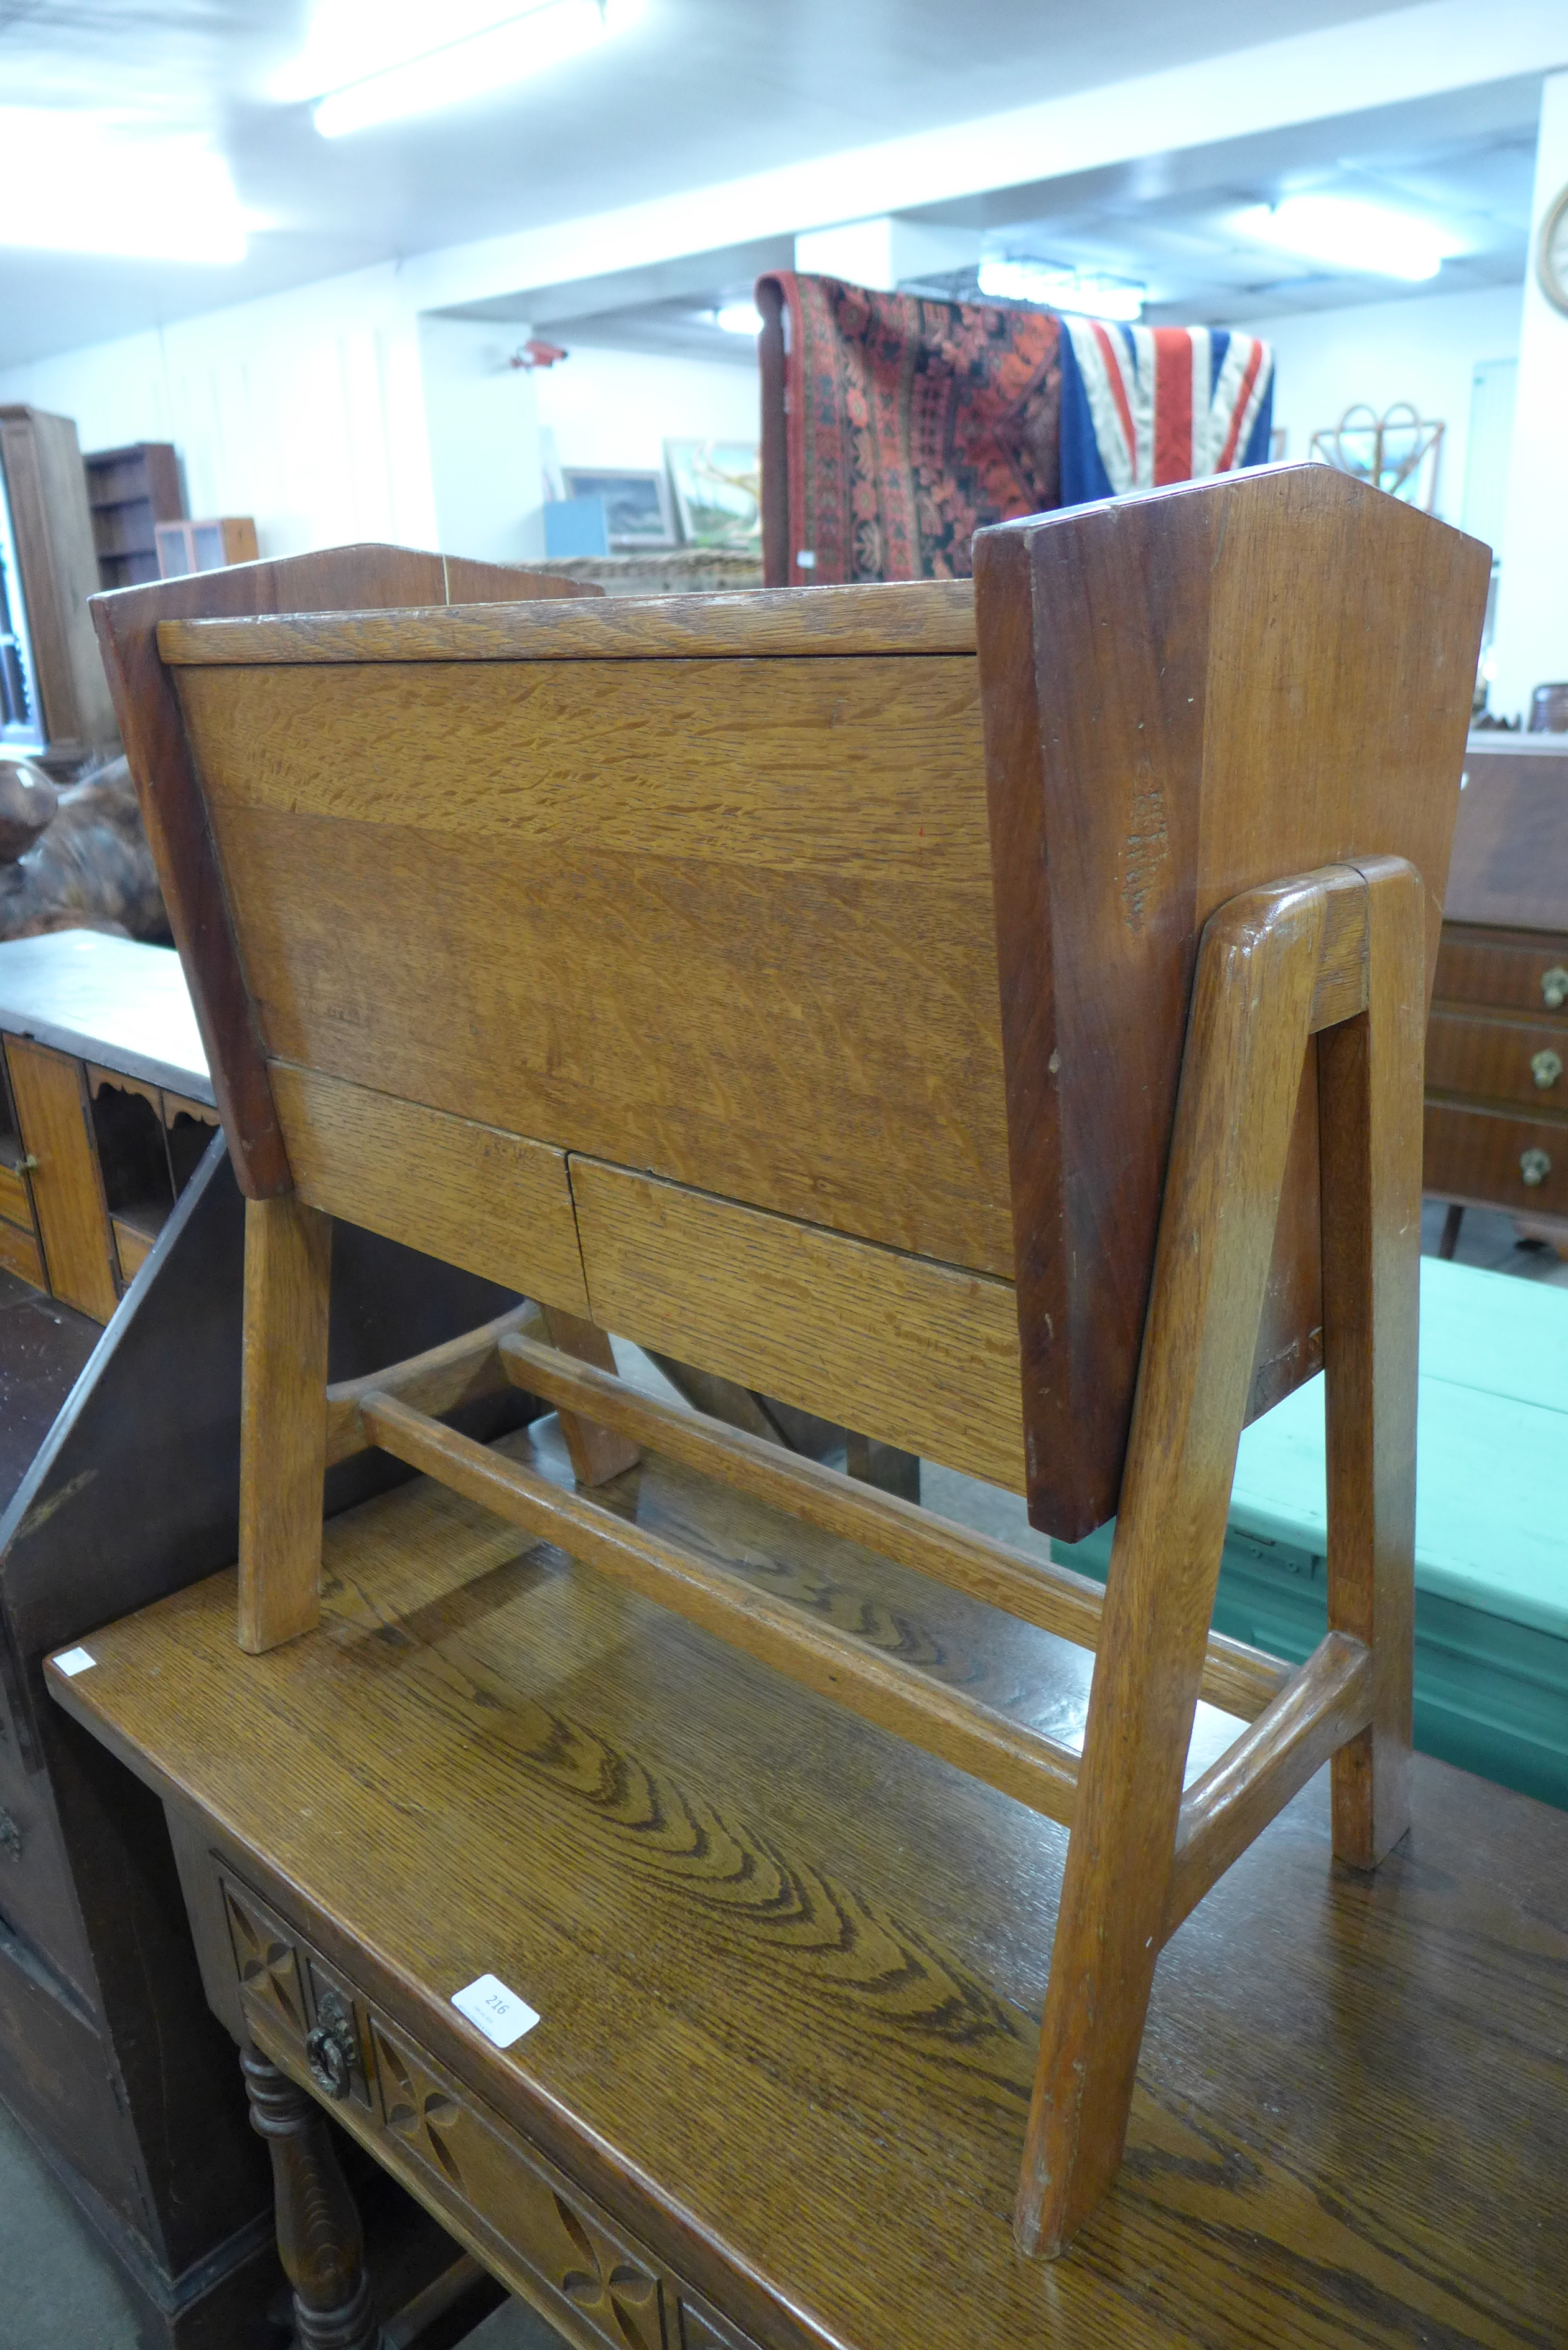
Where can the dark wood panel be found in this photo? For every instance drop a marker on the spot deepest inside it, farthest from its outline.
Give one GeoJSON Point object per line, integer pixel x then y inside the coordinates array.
{"type": "Point", "coordinates": [1505, 969]}
{"type": "Point", "coordinates": [1487, 1157]}
{"type": "Point", "coordinates": [1510, 842]}
{"type": "Point", "coordinates": [1525, 1062]}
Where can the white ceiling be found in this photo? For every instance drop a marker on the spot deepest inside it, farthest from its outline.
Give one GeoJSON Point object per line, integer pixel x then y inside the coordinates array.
{"type": "Point", "coordinates": [699, 91]}
{"type": "Point", "coordinates": [1467, 161]}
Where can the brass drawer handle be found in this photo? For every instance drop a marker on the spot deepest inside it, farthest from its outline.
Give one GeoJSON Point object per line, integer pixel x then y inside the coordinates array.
{"type": "Point", "coordinates": [332, 2050]}
{"type": "Point", "coordinates": [1535, 1165]}
{"type": "Point", "coordinates": [10, 1837]}
{"type": "Point", "coordinates": [1554, 987]}
{"type": "Point", "coordinates": [1546, 1067]}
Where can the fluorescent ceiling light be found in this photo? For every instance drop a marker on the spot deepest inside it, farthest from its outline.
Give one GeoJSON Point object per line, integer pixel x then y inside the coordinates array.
{"type": "Point", "coordinates": [475, 64]}
{"type": "Point", "coordinates": [1084, 291]}
{"type": "Point", "coordinates": [1350, 235]}
{"type": "Point", "coordinates": [738, 317]}
{"type": "Point", "coordinates": [83, 183]}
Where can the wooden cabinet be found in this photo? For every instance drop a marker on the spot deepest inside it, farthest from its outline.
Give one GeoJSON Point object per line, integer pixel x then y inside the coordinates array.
{"type": "Point", "coordinates": [204, 545]}
{"type": "Point", "coordinates": [129, 492]}
{"type": "Point", "coordinates": [1497, 1045]}
{"type": "Point", "coordinates": [105, 1113]}
{"type": "Point", "coordinates": [57, 566]}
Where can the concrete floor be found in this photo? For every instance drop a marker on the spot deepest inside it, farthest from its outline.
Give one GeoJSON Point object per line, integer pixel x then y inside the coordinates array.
{"type": "Point", "coordinates": [59, 2290]}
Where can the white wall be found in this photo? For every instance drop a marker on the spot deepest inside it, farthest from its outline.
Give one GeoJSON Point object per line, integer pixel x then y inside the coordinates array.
{"type": "Point", "coordinates": [1425, 350]}
{"type": "Point", "coordinates": [1531, 647]}
{"type": "Point", "coordinates": [306, 410]}
{"type": "Point", "coordinates": [483, 435]}
{"type": "Point", "coordinates": [618, 408]}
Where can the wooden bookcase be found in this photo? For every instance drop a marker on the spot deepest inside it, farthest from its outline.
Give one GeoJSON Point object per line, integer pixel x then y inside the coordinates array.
{"type": "Point", "coordinates": [129, 492]}
{"type": "Point", "coordinates": [53, 530]}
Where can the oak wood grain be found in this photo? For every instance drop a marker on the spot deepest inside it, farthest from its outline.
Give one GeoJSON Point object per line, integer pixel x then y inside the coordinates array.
{"type": "Point", "coordinates": [16, 1200]}
{"type": "Point", "coordinates": [494, 1203]}
{"type": "Point", "coordinates": [1370, 1090]}
{"type": "Point", "coordinates": [55, 1121]}
{"type": "Point", "coordinates": [282, 1420]}
{"type": "Point", "coordinates": [20, 1253]}
{"type": "Point", "coordinates": [132, 1248]}
{"type": "Point", "coordinates": [712, 894]}
{"type": "Point", "coordinates": [909, 617]}
{"type": "Point", "coordinates": [440, 1380]}
{"type": "Point", "coordinates": [1324, 1706]}
{"type": "Point", "coordinates": [1186, 694]}
{"type": "Point", "coordinates": [1240, 1679]}
{"type": "Point", "coordinates": [1253, 1007]}
{"type": "Point", "coordinates": [922, 1355]}
{"type": "Point", "coordinates": [1351, 2103]}
{"type": "Point", "coordinates": [897, 1696]}
{"type": "Point", "coordinates": [153, 733]}
{"type": "Point", "coordinates": [599, 1449]}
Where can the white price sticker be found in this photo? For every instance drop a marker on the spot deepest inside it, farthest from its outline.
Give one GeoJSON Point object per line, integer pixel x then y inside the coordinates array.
{"type": "Point", "coordinates": [72, 1661]}
{"type": "Point", "coordinates": [500, 2014]}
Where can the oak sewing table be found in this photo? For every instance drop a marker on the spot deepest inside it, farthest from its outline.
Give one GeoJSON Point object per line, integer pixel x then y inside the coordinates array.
{"type": "Point", "coordinates": [1102, 898]}
{"type": "Point", "coordinates": [786, 1969]}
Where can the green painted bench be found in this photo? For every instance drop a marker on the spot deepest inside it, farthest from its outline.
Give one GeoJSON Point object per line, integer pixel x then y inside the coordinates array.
{"type": "Point", "coordinates": [1491, 1529]}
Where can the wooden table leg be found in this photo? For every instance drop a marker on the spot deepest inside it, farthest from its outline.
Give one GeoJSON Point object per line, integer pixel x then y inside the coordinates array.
{"type": "Point", "coordinates": [319, 2239]}
{"type": "Point", "coordinates": [1451, 1224]}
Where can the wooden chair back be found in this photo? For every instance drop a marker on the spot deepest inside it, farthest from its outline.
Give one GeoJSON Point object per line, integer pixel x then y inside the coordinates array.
{"type": "Point", "coordinates": [647, 956]}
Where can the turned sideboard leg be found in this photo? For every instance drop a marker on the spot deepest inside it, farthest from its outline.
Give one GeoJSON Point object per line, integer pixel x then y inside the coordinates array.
{"type": "Point", "coordinates": [319, 2239]}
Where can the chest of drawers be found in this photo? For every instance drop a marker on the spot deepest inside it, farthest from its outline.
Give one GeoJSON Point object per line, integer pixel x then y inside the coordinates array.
{"type": "Point", "coordinates": [1497, 1047]}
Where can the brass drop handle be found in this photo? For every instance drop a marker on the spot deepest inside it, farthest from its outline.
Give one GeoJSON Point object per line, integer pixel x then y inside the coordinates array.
{"type": "Point", "coordinates": [1535, 1165]}
{"type": "Point", "coordinates": [10, 1837]}
{"type": "Point", "coordinates": [1554, 987]}
{"type": "Point", "coordinates": [332, 2050]}
{"type": "Point", "coordinates": [1546, 1067]}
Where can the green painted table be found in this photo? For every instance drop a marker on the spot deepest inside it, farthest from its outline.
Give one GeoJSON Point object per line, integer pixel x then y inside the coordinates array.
{"type": "Point", "coordinates": [1491, 1529]}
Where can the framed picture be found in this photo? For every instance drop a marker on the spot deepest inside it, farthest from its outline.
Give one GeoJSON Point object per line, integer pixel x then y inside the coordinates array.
{"type": "Point", "coordinates": [636, 506]}
{"type": "Point", "coordinates": [718, 491]}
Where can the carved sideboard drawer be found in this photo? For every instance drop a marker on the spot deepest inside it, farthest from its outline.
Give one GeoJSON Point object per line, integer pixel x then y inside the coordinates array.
{"type": "Point", "coordinates": [1514, 970]}
{"type": "Point", "coordinates": [287, 1990]}
{"type": "Point", "coordinates": [1500, 1060]}
{"type": "Point", "coordinates": [1520, 1164]}
{"type": "Point", "coordinates": [541, 2233]}
{"type": "Point", "coordinates": [534, 2227]}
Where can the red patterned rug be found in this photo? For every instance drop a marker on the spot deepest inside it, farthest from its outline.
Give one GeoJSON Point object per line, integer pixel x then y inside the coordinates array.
{"type": "Point", "coordinates": [907, 426]}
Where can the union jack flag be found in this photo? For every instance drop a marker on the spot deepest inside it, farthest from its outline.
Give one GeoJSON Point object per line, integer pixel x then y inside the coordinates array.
{"type": "Point", "coordinates": [1143, 405]}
